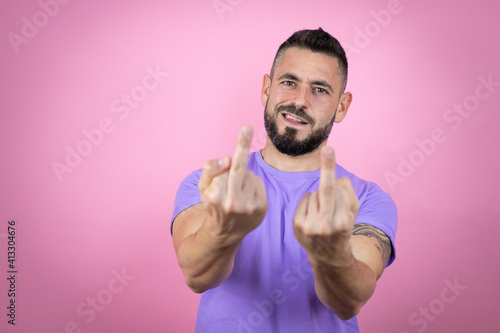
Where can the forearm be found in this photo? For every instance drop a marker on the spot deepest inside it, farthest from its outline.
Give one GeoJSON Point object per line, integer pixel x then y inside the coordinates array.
{"type": "Point", "coordinates": [207, 235]}
{"type": "Point", "coordinates": [343, 286]}
{"type": "Point", "coordinates": [205, 260]}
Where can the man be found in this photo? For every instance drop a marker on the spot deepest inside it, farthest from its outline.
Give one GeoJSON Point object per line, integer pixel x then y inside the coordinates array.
{"type": "Point", "coordinates": [285, 240]}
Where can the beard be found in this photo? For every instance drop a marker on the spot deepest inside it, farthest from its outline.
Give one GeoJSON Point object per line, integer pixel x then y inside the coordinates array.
{"type": "Point", "coordinates": [287, 143]}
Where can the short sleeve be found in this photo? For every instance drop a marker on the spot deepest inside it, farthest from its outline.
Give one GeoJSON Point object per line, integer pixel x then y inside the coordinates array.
{"type": "Point", "coordinates": [378, 209]}
{"type": "Point", "coordinates": [187, 195]}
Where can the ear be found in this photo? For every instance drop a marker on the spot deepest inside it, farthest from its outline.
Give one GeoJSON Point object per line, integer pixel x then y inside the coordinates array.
{"type": "Point", "coordinates": [266, 85]}
{"type": "Point", "coordinates": [343, 106]}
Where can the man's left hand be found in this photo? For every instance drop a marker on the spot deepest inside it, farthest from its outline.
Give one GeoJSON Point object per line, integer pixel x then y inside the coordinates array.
{"type": "Point", "coordinates": [324, 219]}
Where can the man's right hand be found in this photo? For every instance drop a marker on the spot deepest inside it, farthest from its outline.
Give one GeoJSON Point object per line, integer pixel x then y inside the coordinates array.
{"type": "Point", "coordinates": [234, 196]}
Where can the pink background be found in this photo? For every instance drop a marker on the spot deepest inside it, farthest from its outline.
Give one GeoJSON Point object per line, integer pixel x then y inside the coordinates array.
{"type": "Point", "coordinates": [112, 212]}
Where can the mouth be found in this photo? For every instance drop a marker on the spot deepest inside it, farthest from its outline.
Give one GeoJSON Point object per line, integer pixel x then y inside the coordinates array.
{"type": "Point", "coordinates": [293, 119]}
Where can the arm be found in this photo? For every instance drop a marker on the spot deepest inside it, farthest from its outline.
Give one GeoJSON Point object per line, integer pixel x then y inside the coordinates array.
{"type": "Point", "coordinates": [346, 259]}
{"type": "Point", "coordinates": [344, 286]}
{"type": "Point", "coordinates": [207, 235]}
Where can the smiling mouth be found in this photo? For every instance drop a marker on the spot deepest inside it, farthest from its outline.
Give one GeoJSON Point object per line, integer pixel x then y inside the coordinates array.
{"type": "Point", "coordinates": [294, 119]}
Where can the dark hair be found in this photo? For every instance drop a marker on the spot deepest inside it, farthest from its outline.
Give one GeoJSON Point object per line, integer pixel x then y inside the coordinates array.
{"type": "Point", "coordinates": [316, 41]}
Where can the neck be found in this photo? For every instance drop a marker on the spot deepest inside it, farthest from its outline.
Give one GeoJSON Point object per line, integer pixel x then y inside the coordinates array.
{"type": "Point", "coordinates": [280, 161]}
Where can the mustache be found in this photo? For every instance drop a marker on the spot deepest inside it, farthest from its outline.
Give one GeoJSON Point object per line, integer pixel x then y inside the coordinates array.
{"type": "Point", "coordinates": [299, 112]}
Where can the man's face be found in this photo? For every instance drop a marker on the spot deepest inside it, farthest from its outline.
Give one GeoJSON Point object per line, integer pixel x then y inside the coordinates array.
{"type": "Point", "coordinates": [301, 101]}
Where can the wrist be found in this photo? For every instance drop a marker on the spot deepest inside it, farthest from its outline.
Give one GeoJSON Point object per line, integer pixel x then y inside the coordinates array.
{"type": "Point", "coordinates": [217, 231]}
{"type": "Point", "coordinates": [334, 256]}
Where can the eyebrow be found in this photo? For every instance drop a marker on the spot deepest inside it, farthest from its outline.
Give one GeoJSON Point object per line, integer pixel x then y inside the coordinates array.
{"type": "Point", "coordinates": [322, 83]}
{"type": "Point", "coordinates": [289, 76]}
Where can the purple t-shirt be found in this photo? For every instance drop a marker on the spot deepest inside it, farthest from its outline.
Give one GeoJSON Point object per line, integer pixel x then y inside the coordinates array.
{"type": "Point", "coordinates": [271, 287]}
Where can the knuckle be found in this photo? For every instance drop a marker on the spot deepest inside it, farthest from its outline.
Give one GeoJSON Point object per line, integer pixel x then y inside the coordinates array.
{"type": "Point", "coordinates": [328, 189]}
{"type": "Point", "coordinates": [343, 226]}
{"type": "Point", "coordinates": [262, 206]}
{"type": "Point", "coordinates": [356, 206]}
{"type": "Point", "coordinates": [249, 177]}
{"type": "Point", "coordinates": [306, 228]}
{"type": "Point", "coordinates": [229, 205]}
{"type": "Point", "coordinates": [244, 141]}
{"type": "Point", "coordinates": [237, 167]}
{"type": "Point", "coordinates": [256, 206]}
{"type": "Point", "coordinates": [344, 180]}
{"type": "Point", "coordinates": [326, 223]}
{"type": "Point", "coordinates": [208, 165]}
{"type": "Point", "coordinates": [236, 207]}
{"type": "Point", "coordinates": [251, 207]}
{"type": "Point", "coordinates": [312, 198]}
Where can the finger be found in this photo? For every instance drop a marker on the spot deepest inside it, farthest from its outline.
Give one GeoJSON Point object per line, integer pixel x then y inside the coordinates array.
{"type": "Point", "coordinates": [212, 169]}
{"type": "Point", "coordinates": [260, 194]}
{"type": "Point", "coordinates": [314, 220]}
{"type": "Point", "coordinates": [238, 167]}
{"type": "Point", "coordinates": [245, 203]}
{"type": "Point", "coordinates": [313, 207]}
{"type": "Point", "coordinates": [217, 190]}
{"type": "Point", "coordinates": [344, 218]}
{"type": "Point", "coordinates": [301, 211]}
{"type": "Point", "coordinates": [257, 193]}
{"type": "Point", "coordinates": [352, 198]}
{"type": "Point", "coordinates": [327, 182]}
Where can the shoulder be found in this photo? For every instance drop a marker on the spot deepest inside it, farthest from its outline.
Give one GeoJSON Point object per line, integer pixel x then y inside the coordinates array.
{"type": "Point", "coordinates": [253, 163]}
{"type": "Point", "coordinates": [187, 194]}
{"type": "Point", "coordinates": [365, 190]}
{"type": "Point", "coordinates": [377, 216]}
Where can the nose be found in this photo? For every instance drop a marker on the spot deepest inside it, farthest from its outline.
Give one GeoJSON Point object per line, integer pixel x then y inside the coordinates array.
{"type": "Point", "coordinates": [301, 98]}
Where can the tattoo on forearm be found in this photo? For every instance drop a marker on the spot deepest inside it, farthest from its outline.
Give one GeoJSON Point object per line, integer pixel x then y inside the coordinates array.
{"type": "Point", "coordinates": [384, 243]}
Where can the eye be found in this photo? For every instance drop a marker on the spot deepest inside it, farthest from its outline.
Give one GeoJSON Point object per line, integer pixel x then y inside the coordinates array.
{"type": "Point", "coordinates": [320, 90]}
{"type": "Point", "coordinates": [288, 83]}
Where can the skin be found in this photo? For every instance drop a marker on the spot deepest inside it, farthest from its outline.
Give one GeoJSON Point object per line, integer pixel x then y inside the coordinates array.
{"type": "Point", "coordinates": [316, 88]}
{"type": "Point", "coordinates": [346, 259]}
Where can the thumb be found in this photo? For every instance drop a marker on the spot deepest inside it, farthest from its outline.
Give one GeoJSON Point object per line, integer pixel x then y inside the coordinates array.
{"type": "Point", "coordinates": [212, 169]}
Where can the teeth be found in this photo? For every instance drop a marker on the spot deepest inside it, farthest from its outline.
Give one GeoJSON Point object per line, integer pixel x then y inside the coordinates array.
{"type": "Point", "coordinates": [288, 116]}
